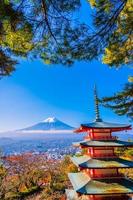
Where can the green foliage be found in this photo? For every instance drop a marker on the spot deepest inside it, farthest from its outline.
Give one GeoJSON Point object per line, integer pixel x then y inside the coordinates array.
{"type": "Point", "coordinates": [47, 30]}
{"type": "Point", "coordinates": [130, 79]}
{"type": "Point", "coordinates": [120, 151]}
{"type": "Point", "coordinates": [33, 28]}
{"type": "Point", "coordinates": [30, 175]}
{"type": "Point", "coordinates": [120, 45]}
{"type": "Point", "coordinates": [113, 39]}
{"type": "Point", "coordinates": [6, 64]}
{"type": "Point", "coordinates": [129, 152]}
{"type": "Point", "coordinates": [113, 24]}
{"type": "Point", "coordinates": [18, 41]}
{"type": "Point", "coordinates": [15, 37]}
{"type": "Point", "coordinates": [121, 102]}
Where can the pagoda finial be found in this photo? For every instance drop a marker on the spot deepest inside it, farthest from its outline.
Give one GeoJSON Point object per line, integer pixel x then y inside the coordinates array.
{"type": "Point", "coordinates": [97, 112]}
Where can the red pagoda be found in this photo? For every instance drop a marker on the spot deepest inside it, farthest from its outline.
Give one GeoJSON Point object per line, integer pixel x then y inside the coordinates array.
{"type": "Point", "coordinates": [99, 177]}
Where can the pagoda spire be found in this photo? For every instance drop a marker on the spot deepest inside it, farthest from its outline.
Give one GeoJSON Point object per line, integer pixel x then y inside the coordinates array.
{"type": "Point", "coordinates": [97, 112]}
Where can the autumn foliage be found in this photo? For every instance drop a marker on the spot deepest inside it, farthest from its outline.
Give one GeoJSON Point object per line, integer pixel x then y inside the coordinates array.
{"type": "Point", "coordinates": [30, 176]}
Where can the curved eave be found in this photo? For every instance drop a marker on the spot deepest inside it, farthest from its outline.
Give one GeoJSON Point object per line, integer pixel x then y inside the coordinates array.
{"type": "Point", "coordinates": [97, 143]}
{"type": "Point", "coordinates": [81, 130]}
{"type": "Point", "coordinates": [84, 185]}
{"type": "Point", "coordinates": [103, 125]}
{"type": "Point", "coordinates": [85, 162]}
{"type": "Point", "coordinates": [84, 146]}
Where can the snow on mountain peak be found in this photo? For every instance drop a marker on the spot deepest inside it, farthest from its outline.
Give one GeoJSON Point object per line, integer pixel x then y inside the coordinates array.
{"type": "Point", "coordinates": [50, 120]}
{"type": "Point", "coordinates": [51, 123]}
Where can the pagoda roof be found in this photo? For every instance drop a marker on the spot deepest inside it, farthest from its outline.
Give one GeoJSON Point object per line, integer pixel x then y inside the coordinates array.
{"type": "Point", "coordinates": [103, 125]}
{"type": "Point", "coordinates": [103, 143]}
{"type": "Point", "coordinates": [84, 185]}
{"type": "Point", "coordinates": [72, 195]}
{"type": "Point", "coordinates": [94, 163]}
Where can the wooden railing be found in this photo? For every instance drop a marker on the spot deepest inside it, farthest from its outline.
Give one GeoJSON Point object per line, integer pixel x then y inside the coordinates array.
{"type": "Point", "coordinates": [105, 138]}
{"type": "Point", "coordinates": [106, 175]}
{"type": "Point", "coordinates": [103, 155]}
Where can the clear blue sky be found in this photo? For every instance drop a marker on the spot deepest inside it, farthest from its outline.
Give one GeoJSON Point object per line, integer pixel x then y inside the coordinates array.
{"type": "Point", "coordinates": [36, 91]}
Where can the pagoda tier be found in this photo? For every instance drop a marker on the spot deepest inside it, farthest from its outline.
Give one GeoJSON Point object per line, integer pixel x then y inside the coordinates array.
{"type": "Point", "coordinates": [99, 177]}
{"type": "Point", "coordinates": [103, 143]}
{"type": "Point", "coordinates": [71, 194]}
{"type": "Point", "coordinates": [86, 162]}
{"type": "Point", "coordinates": [83, 184]}
{"type": "Point", "coordinates": [99, 124]}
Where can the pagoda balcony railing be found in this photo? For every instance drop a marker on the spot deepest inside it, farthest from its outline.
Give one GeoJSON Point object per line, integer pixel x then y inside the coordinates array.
{"type": "Point", "coordinates": [98, 176]}
{"type": "Point", "coordinates": [104, 138]}
{"type": "Point", "coordinates": [103, 155]}
{"type": "Point", "coordinates": [101, 138]}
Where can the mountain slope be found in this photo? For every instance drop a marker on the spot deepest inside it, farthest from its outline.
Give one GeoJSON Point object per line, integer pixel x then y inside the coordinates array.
{"type": "Point", "coordinates": [49, 124]}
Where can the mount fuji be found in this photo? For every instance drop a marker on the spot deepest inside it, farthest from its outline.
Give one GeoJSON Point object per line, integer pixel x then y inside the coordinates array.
{"type": "Point", "coordinates": [51, 124]}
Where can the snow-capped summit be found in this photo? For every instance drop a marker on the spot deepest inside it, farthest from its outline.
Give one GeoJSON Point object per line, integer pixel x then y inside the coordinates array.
{"type": "Point", "coordinates": [50, 120]}
{"type": "Point", "coordinates": [49, 124]}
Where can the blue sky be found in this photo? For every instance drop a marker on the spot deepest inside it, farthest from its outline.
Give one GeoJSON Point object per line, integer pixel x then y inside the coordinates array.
{"type": "Point", "coordinates": [36, 91]}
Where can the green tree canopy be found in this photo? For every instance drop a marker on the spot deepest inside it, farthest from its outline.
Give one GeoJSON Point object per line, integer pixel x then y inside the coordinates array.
{"type": "Point", "coordinates": [121, 102]}
{"type": "Point", "coordinates": [35, 28]}
{"type": "Point", "coordinates": [47, 30]}
{"type": "Point", "coordinates": [113, 23]}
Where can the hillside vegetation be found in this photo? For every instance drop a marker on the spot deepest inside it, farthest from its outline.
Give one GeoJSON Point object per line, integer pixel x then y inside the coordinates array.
{"type": "Point", "coordinates": [34, 177]}
{"type": "Point", "coordinates": [28, 176]}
